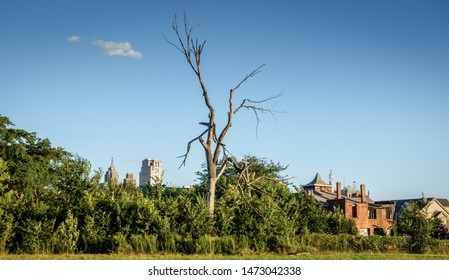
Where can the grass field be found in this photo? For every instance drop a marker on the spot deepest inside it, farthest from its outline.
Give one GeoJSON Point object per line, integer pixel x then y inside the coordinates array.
{"type": "Point", "coordinates": [322, 256]}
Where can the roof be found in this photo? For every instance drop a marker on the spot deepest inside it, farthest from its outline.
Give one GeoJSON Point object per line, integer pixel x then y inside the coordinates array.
{"type": "Point", "coordinates": [323, 197]}
{"type": "Point", "coordinates": [400, 203]}
{"type": "Point", "coordinates": [317, 181]}
{"type": "Point", "coordinates": [443, 201]}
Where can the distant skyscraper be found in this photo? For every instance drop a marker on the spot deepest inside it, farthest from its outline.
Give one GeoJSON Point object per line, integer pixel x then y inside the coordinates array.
{"type": "Point", "coordinates": [111, 174]}
{"type": "Point", "coordinates": [129, 180]}
{"type": "Point", "coordinates": [150, 172]}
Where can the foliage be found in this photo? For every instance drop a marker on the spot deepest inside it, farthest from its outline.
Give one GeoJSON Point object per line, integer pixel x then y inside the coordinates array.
{"type": "Point", "coordinates": [63, 209]}
{"type": "Point", "coordinates": [413, 223]}
{"type": "Point", "coordinates": [438, 229]}
{"type": "Point", "coordinates": [31, 161]}
{"type": "Point", "coordinates": [65, 238]}
{"type": "Point", "coordinates": [337, 223]}
{"type": "Point", "coordinates": [6, 230]}
{"type": "Point", "coordinates": [351, 243]}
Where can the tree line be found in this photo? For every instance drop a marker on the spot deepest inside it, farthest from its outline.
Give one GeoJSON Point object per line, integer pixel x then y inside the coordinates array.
{"type": "Point", "coordinates": [51, 202]}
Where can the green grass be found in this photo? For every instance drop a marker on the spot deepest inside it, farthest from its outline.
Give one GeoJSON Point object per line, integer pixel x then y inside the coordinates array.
{"type": "Point", "coordinates": [321, 256]}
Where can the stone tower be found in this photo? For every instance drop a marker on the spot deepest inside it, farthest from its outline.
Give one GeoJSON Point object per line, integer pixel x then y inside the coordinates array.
{"type": "Point", "coordinates": [111, 174]}
{"type": "Point", "coordinates": [151, 172]}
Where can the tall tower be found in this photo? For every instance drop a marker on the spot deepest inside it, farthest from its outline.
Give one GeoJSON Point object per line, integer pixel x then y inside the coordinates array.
{"type": "Point", "coordinates": [151, 172]}
{"type": "Point", "coordinates": [331, 180]}
{"type": "Point", "coordinates": [111, 174]}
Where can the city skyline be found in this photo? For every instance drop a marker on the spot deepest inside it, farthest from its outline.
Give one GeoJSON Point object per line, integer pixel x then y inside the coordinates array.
{"type": "Point", "coordinates": [364, 84]}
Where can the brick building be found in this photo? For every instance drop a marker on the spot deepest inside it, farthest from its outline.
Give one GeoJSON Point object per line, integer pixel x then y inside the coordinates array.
{"type": "Point", "coordinates": [370, 217]}
{"type": "Point", "coordinates": [129, 180]}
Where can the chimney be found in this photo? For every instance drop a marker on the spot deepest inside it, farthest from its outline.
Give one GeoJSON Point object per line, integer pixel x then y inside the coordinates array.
{"type": "Point", "coordinates": [338, 190]}
{"type": "Point", "coordinates": [362, 193]}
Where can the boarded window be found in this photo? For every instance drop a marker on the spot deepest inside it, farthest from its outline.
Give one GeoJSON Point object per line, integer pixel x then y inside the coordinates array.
{"type": "Point", "coordinates": [389, 213]}
{"type": "Point", "coordinates": [372, 212]}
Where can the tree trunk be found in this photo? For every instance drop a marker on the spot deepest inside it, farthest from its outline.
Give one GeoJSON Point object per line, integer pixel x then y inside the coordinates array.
{"type": "Point", "coordinates": [212, 176]}
{"type": "Point", "coordinates": [211, 196]}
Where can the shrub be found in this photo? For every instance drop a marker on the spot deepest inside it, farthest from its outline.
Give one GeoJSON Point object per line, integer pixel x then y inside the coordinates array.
{"type": "Point", "coordinates": [36, 236]}
{"type": "Point", "coordinates": [226, 245]}
{"type": "Point", "coordinates": [206, 245]}
{"type": "Point", "coordinates": [120, 244]}
{"type": "Point", "coordinates": [413, 223]}
{"type": "Point", "coordinates": [6, 230]}
{"type": "Point", "coordinates": [65, 238]}
{"type": "Point", "coordinates": [94, 238]}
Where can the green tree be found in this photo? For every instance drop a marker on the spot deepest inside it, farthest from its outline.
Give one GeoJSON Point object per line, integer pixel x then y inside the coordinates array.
{"type": "Point", "coordinates": [6, 230]}
{"type": "Point", "coordinates": [439, 230]}
{"type": "Point", "coordinates": [255, 205]}
{"type": "Point", "coordinates": [4, 176]}
{"type": "Point", "coordinates": [43, 188]}
{"type": "Point", "coordinates": [338, 223]}
{"type": "Point", "coordinates": [312, 217]}
{"type": "Point", "coordinates": [31, 160]}
{"type": "Point", "coordinates": [413, 223]}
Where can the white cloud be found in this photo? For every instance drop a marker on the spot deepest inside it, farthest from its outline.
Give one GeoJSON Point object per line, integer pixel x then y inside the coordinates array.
{"type": "Point", "coordinates": [117, 48]}
{"type": "Point", "coordinates": [73, 39]}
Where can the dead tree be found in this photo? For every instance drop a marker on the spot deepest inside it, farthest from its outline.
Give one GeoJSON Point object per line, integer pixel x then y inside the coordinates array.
{"type": "Point", "coordinates": [211, 139]}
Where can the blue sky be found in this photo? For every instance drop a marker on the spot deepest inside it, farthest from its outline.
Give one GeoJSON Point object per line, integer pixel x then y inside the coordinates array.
{"type": "Point", "coordinates": [365, 85]}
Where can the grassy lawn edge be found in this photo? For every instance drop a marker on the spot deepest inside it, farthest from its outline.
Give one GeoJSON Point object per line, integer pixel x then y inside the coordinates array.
{"type": "Point", "coordinates": [322, 256]}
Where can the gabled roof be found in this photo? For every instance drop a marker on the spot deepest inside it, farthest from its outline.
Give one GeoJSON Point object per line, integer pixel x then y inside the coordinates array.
{"type": "Point", "coordinates": [317, 181]}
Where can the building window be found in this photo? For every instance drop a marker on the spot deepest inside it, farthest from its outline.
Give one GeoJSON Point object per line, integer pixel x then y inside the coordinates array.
{"type": "Point", "coordinates": [372, 213]}
{"type": "Point", "coordinates": [389, 213]}
{"type": "Point", "coordinates": [379, 231]}
{"type": "Point", "coordinates": [354, 211]}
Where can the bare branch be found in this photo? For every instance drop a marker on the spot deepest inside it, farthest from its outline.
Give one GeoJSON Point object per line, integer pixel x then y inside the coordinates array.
{"type": "Point", "coordinates": [192, 50]}
{"type": "Point", "coordinates": [231, 111]}
{"type": "Point", "coordinates": [245, 105]}
{"type": "Point", "coordinates": [222, 168]}
{"type": "Point", "coordinates": [186, 44]}
{"type": "Point", "coordinates": [249, 105]}
{"type": "Point", "coordinates": [248, 76]}
{"type": "Point", "coordinates": [246, 199]}
{"type": "Point", "coordinates": [189, 146]}
{"type": "Point", "coordinates": [173, 44]}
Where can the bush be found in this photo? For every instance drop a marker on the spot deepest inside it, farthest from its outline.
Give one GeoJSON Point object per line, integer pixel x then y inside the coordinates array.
{"type": "Point", "coordinates": [65, 238]}
{"type": "Point", "coordinates": [6, 230]}
{"type": "Point", "coordinates": [350, 243]}
{"type": "Point", "coordinates": [120, 244]}
{"type": "Point", "coordinates": [36, 236]}
{"type": "Point", "coordinates": [413, 223]}
{"type": "Point", "coordinates": [206, 244]}
{"type": "Point", "coordinates": [94, 238]}
{"type": "Point", "coordinates": [439, 246]}
{"type": "Point", "coordinates": [225, 245]}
